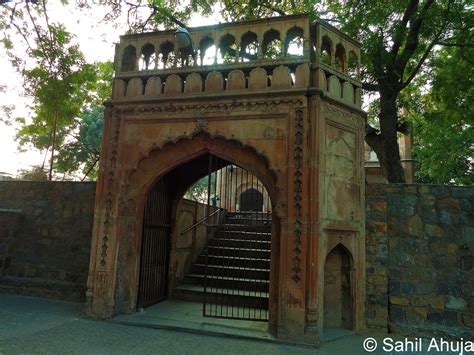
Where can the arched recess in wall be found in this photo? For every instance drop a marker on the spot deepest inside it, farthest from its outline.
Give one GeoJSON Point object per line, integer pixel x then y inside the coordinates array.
{"type": "Point", "coordinates": [353, 65]}
{"type": "Point", "coordinates": [271, 45]}
{"type": "Point", "coordinates": [227, 49]}
{"type": "Point", "coordinates": [129, 59]}
{"type": "Point", "coordinates": [338, 312]}
{"type": "Point", "coordinates": [248, 46]}
{"type": "Point", "coordinates": [294, 41]}
{"type": "Point", "coordinates": [207, 51]}
{"type": "Point", "coordinates": [167, 55]}
{"type": "Point", "coordinates": [326, 50]}
{"type": "Point", "coordinates": [340, 58]}
{"type": "Point", "coordinates": [251, 200]}
{"type": "Point", "coordinates": [147, 57]}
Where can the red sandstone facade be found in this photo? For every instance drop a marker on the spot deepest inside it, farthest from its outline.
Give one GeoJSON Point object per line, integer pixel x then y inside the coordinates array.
{"type": "Point", "coordinates": [292, 120]}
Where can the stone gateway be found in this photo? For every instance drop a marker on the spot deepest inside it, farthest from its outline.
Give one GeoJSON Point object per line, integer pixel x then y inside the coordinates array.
{"type": "Point", "coordinates": [278, 97]}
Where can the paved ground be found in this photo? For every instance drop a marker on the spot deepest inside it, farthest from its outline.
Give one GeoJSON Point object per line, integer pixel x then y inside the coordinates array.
{"type": "Point", "coordinates": [37, 325]}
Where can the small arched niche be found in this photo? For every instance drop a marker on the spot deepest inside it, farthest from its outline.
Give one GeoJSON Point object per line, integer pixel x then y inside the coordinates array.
{"type": "Point", "coordinates": [227, 49]}
{"type": "Point", "coordinates": [271, 45]}
{"type": "Point", "coordinates": [166, 56]}
{"type": "Point", "coordinates": [148, 57]}
{"type": "Point", "coordinates": [340, 58]}
{"type": "Point", "coordinates": [294, 42]}
{"type": "Point", "coordinates": [325, 53]}
{"type": "Point", "coordinates": [207, 51]}
{"type": "Point", "coordinates": [353, 65]}
{"type": "Point", "coordinates": [337, 289]}
{"type": "Point", "coordinates": [251, 200]}
{"type": "Point", "coordinates": [249, 47]}
{"type": "Point", "coordinates": [129, 59]}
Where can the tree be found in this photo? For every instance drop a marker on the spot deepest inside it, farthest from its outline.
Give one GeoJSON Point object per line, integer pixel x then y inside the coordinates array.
{"type": "Point", "coordinates": [82, 151]}
{"type": "Point", "coordinates": [443, 119]}
{"type": "Point", "coordinates": [397, 37]}
{"type": "Point", "coordinates": [57, 77]}
{"type": "Point", "coordinates": [60, 85]}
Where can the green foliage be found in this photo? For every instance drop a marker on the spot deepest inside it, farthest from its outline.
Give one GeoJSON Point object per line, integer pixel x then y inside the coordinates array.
{"type": "Point", "coordinates": [67, 92]}
{"type": "Point", "coordinates": [198, 191]}
{"type": "Point", "coordinates": [83, 151]}
{"type": "Point", "coordinates": [60, 85]}
{"type": "Point", "coordinates": [36, 173]}
{"type": "Point", "coordinates": [443, 119]}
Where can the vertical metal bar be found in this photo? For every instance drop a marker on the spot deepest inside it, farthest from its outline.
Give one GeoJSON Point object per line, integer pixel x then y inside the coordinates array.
{"type": "Point", "coordinates": [252, 285]}
{"type": "Point", "coordinates": [205, 297]}
{"type": "Point", "coordinates": [222, 259]}
{"type": "Point", "coordinates": [233, 191]}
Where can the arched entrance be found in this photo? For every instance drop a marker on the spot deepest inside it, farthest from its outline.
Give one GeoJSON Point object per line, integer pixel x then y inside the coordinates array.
{"type": "Point", "coordinates": [337, 289]}
{"type": "Point", "coordinates": [251, 200]}
{"type": "Point", "coordinates": [220, 256]}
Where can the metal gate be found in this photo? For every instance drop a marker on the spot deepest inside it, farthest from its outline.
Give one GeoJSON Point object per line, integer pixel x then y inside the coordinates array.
{"type": "Point", "coordinates": [237, 252]}
{"type": "Point", "coordinates": [155, 246]}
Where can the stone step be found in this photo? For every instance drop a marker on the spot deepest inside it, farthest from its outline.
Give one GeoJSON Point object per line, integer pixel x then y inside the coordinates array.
{"type": "Point", "coordinates": [239, 243]}
{"type": "Point", "coordinates": [229, 282]}
{"type": "Point", "coordinates": [244, 235]}
{"type": "Point", "coordinates": [244, 228]}
{"type": "Point", "coordinates": [249, 214]}
{"type": "Point", "coordinates": [225, 271]}
{"type": "Point", "coordinates": [229, 297]}
{"type": "Point", "coordinates": [239, 252]}
{"type": "Point", "coordinates": [234, 261]}
{"type": "Point", "coordinates": [249, 221]}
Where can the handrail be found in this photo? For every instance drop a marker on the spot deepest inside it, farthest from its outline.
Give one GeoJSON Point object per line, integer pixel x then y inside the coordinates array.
{"type": "Point", "coordinates": [199, 222]}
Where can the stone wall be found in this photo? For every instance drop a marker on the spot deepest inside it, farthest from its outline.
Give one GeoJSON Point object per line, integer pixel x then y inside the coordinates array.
{"type": "Point", "coordinates": [420, 256]}
{"type": "Point", "coordinates": [419, 249]}
{"type": "Point", "coordinates": [45, 236]}
{"type": "Point", "coordinates": [187, 243]}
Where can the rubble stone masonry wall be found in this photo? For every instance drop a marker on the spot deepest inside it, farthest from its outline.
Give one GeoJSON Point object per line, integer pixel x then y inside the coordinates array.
{"type": "Point", "coordinates": [45, 237]}
{"type": "Point", "coordinates": [420, 256]}
{"type": "Point", "coordinates": [419, 250]}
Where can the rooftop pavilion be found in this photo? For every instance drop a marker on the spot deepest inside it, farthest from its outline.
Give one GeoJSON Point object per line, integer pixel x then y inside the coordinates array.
{"type": "Point", "coordinates": [268, 55]}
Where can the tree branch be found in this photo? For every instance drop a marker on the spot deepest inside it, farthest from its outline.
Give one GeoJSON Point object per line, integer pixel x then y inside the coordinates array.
{"type": "Point", "coordinates": [427, 50]}
{"type": "Point", "coordinates": [274, 9]}
{"type": "Point", "coordinates": [370, 87]}
{"type": "Point", "coordinates": [460, 45]}
{"type": "Point", "coordinates": [38, 34]}
{"type": "Point", "coordinates": [412, 40]}
{"type": "Point", "coordinates": [397, 37]}
{"type": "Point", "coordinates": [168, 16]}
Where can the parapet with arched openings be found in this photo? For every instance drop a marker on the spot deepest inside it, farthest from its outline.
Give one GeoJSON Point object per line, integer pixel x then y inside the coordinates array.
{"type": "Point", "coordinates": [313, 54]}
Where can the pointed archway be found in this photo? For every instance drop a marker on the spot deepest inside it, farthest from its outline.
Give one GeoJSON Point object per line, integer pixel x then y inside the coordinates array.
{"type": "Point", "coordinates": [181, 164]}
{"type": "Point", "coordinates": [338, 302]}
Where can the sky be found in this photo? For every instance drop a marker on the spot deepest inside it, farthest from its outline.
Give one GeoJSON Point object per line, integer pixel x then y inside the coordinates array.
{"type": "Point", "coordinates": [96, 40]}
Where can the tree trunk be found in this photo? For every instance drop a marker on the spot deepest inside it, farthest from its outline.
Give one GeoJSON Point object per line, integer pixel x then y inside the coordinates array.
{"type": "Point", "coordinates": [385, 144]}
{"type": "Point", "coordinates": [53, 145]}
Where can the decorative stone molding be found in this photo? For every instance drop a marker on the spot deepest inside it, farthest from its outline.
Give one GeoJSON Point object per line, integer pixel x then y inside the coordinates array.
{"type": "Point", "coordinates": [261, 106]}
{"type": "Point", "coordinates": [109, 186]}
{"type": "Point", "coordinates": [298, 195]}
{"type": "Point", "coordinates": [201, 126]}
{"type": "Point", "coordinates": [333, 112]}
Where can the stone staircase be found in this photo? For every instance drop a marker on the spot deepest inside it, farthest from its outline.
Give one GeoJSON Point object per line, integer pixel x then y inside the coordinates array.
{"type": "Point", "coordinates": [238, 265]}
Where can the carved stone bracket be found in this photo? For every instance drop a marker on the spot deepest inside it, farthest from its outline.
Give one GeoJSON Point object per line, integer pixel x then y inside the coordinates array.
{"type": "Point", "coordinates": [297, 194]}
{"type": "Point", "coordinates": [201, 126]}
